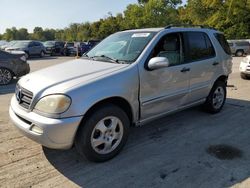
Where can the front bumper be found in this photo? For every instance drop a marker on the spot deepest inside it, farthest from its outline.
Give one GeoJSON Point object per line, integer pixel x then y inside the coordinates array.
{"type": "Point", "coordinates": [245, 68]}
{"type": "Point", "coordinates": [57, 133]}
{"type": "Point", "coordinates": [23, 69]}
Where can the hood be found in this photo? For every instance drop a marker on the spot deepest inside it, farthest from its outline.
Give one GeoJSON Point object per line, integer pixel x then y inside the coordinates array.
{"type": "Point", "coordinates": [17, 52]}
{"type": "Point", "coordinates": [59, 78]}
{"type": "Point", "coordinates": [13, 48]}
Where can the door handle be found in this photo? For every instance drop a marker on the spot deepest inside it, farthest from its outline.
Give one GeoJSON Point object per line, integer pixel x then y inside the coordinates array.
{"type": "Point", "coordinates": [185, 69]}
{"type": "Point", "coordinates": [215, 63]}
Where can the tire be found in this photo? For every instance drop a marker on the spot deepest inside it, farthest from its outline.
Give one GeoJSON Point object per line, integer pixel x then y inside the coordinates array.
{"type": "Point", "coordinates": [216, 98]}
{"type": "Point", "coordinates": [244, 76]}
{"type": "Point", "coordinates": [42, 54]}
{"type": "Point", "coordinates": [6, 76]}
{"type": "Point", "coordinates": [239, 53]}
{"type": "Point", "coordinates": [103, 134]}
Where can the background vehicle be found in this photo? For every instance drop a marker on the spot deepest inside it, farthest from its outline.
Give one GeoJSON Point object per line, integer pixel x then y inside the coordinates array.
{"type": "Point", "coordinates": [3, 42]}
{"type": "Point", "coordinates": [31, 48]}
{"type": "Point", "coordinates": [239, 48]}
{"type": "Point", "coordinates": [245, 68]}
{"type": "Point", "coordinates": [8, 44]}
{"type": "Point", "coordinates": [69, 48]}
{"type": "Point", "coordinates": [54, 47]}
{"type": "Point", "coordinates": [12, 65]}
{"type": "Point", "coordinates": [130, 78]}
{"type": "Point", "coordinates": [86, 46]}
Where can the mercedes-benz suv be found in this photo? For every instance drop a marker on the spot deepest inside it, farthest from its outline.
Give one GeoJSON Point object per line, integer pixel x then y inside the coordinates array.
{"type": "Point", "coordinates": [130, 78]}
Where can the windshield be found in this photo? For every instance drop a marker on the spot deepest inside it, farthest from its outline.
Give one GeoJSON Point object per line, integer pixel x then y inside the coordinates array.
{"type": "Point", "coordinates": [70, 44]}
{"type": "Point", "coordinates": [49, 43]}
{"type": "Point", "coordinates": [123, 46]}
{"type": "Point", "coordinates": [20, 44]}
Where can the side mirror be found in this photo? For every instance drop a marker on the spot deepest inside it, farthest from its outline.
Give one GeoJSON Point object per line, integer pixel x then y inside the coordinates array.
{"type": "Point", "coordinates": [158, 62]}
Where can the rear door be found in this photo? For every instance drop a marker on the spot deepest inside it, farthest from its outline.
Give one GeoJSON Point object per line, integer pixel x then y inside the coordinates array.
{"type": "Point", "coordinates": [32, 48]}
{"type": "Point", "coordinates": [38, 48]}
{"type": "Point", "coordinates": [202, 60]}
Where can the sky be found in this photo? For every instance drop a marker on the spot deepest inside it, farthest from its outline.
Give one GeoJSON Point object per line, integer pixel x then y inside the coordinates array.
{"type": "Point", "coordinates": [55, 14]}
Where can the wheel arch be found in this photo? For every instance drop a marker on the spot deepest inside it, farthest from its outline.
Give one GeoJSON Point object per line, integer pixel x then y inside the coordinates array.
{"type": "Point", "coordinates": [222, 78]}
{"type": "Point", "coordinates": [118, 101]}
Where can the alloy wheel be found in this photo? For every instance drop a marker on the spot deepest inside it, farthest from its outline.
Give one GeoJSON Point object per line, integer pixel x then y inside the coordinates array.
{"type": "Point", "coordinates": [107, 135]}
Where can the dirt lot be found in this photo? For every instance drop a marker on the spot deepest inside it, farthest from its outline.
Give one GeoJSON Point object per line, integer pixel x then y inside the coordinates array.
{"type": "Point", "coordinates": [187, 149]}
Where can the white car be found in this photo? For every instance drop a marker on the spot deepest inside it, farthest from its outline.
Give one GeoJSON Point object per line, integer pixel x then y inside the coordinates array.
{"type": "Point", "coordinates": [245, 67]}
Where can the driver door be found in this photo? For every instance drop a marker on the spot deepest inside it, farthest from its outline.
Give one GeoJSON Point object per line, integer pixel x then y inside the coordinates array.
{"type": "Point", "coordinates": [166, 89]}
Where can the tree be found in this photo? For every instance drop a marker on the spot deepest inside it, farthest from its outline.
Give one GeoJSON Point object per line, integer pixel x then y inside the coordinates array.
{"type": "Point", "coordinates": [22, 34]}
{"type": "Point", "coordinates": [38, 33]}
{"type": "Point", "coordinates": [231, 17]}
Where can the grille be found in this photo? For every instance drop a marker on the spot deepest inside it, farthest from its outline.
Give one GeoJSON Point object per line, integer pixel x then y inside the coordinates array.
{"type": "Point", "coordinates": [24, 97]}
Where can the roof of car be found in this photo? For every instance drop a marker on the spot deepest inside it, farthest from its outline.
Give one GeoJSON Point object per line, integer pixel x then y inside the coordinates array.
{"type": "Point", "coordinates": [173, 28]}
{"type": "Point", "coordinates": [145, 30]}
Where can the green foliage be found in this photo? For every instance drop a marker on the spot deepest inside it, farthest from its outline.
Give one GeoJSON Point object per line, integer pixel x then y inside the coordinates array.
{"type": "Point", "coordinates": [229, 16]}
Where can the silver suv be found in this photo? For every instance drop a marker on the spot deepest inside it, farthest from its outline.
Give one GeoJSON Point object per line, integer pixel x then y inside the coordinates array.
{"type": "Point", "coordinates": [130, 78]}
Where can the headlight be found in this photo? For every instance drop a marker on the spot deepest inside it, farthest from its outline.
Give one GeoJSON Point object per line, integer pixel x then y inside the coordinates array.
{"type": "Point", "coordinates": [53, 104]}
{"type": "Point", "coordinates": [23, 58]}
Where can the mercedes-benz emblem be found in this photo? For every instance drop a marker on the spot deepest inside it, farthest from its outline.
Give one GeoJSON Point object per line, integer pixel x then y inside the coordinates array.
{"type": "Point", "coordinates": [19, 95]}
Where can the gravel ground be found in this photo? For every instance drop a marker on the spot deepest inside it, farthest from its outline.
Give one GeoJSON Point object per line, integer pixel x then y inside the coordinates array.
{"type": "Point", "coordinates": [187, 149]}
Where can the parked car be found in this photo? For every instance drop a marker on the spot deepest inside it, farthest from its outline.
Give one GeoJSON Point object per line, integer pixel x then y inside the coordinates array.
{"type": "Point", "coordinates": [54, 47]}
{"type": "Point", "coordinates": [31, 48]}
{"type": "Point", "coordinates": [8, 44]}
{"type": "Point", "coordinates": [86, 46]}
{"type": "Point", "coordinates": [3, 42]}
{"type": "Point", "coordinates": [69, 48]}
{"type": "Point", "coordinates": [245, 68]}
{"type": "Point", "coordinates": [239, 48]}
{"type": "Point", "coordinates": [130, 78]}
{"type": "Point", "coordinates": [12, 65]}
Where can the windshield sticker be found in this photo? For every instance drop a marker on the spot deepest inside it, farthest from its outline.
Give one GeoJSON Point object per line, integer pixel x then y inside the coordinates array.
{"type": "Point", "coordinates": [140, 35]}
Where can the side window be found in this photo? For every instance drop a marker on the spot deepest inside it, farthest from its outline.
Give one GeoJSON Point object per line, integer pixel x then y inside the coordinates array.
{"type": "Point", "coordinates": [223, 42]}
{"type": "Point", "coordinates": [199, 46]}
{"type": "Point", "coordinates": [31, 45]}
{"type": "Point", "coordinates": [170, 46]}
{"type": "Point", "coordinates": [37, 44]}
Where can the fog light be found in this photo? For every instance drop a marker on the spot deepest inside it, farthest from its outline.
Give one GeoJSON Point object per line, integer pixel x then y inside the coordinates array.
{"type": "Point", "coordinates": [36, 129]}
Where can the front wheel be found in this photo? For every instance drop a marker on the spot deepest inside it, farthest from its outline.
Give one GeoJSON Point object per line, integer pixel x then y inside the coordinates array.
{"type": "Point", "coordinates": [42, 54]}
{"type": "Point", "coordinates": [103, 134]}
{"type": "Point", "coordinates": [216, 98]}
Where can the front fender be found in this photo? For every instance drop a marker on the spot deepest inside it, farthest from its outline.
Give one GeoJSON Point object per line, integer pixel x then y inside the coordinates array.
{"type": "Point", "coordinates": [123, 84]}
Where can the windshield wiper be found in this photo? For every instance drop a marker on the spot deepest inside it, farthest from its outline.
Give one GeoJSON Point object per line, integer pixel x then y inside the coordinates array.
{"type": "Point", "coordinates": [107, 57]}
{"type": "Point", "coordinates": [85, 56]}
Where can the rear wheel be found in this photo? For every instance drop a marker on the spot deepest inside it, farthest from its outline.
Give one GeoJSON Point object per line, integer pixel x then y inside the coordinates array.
{"type": "Point", "coordinates": [244, 76]}
{"type": "Point", "coordinates": [103, 134]}
{"type": "Point", "coordinates": [239, 53]}
{"type": "Point", "coordinates": [5, 76]}
{"type": "Point", "coordinates": [216, 98]}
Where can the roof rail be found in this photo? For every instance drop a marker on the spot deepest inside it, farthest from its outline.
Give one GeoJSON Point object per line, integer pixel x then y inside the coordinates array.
{"type": "Point", "coordinates": [188, 25]}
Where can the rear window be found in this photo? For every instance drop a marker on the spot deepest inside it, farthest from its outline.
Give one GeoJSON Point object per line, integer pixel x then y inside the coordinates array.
{"type": "Point", "coordinates": [223, 42]}
{"type": "Point", "coordinates": [242, 43]}
{"type": "Point", "coordinates": [200, 46]}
